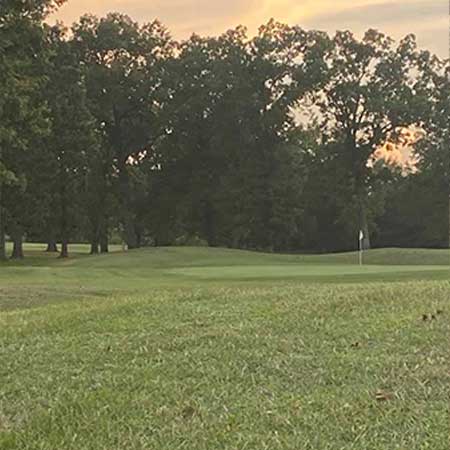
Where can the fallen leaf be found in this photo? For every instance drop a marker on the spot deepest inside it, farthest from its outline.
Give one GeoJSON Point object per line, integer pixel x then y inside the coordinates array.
{"type": "Point", "coordinates": [383, 396]}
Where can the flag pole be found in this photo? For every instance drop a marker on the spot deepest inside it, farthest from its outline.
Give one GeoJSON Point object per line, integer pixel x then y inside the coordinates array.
{"type": "Point", "coordinates": [360, 241]}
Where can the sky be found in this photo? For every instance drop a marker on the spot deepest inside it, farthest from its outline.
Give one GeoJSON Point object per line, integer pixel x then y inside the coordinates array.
{"type": "Point", "coordinates": [428, 19]}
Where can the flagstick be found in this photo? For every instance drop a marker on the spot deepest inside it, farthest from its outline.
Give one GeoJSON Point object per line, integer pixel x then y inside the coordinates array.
{"type": "Point", "coordinates": [360, 254]}
{"type": "Point", "coordinates": [360, 244]}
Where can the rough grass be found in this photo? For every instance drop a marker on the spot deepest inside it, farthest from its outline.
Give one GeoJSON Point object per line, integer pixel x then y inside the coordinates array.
{"type": "Point", "coordinates": [149, 350]}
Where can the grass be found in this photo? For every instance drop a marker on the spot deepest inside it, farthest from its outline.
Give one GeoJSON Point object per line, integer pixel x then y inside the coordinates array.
{"type": "Point", "coordinates": [183, 348]}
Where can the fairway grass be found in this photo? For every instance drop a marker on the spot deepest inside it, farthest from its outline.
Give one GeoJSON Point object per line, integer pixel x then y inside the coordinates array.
{"type": "Point", "coordinates": [204, 349]}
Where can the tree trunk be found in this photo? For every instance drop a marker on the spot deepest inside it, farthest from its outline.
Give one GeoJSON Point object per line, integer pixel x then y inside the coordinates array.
{"type": "Point", "coordinates": [94, 224]}
{"type": "Point", "coordinates": [209, 224]}
{"type": "Point", "coordinates": [138, 233]}
{"type": "Point", "coordinates": [126, 213]}
{"type": "Point", "coordinates": [364, 227]}
{"type": "Point", "coordinates": [2, 243]}
{"type": "Point", "coordinates": [52, 247]}
{"type": "Point", "coordinates": [449, 221]}
{"type": "Point", "coordinates": [64, 224]}
{"type": "Point", "coordinates": [127, 218]}
{"type": "Point", "coordinates": [2, 228]}
{"type": "Point", "coordinates": [17, 252]}
{"type": "Point", "coordinates": [104, 244]}
{"type": "Point", "coordinates": [128, 228]}
{"type": "Point", "coordinates": [94, 247]}
{"type": "Point", "coordinates": [64, 249]}
{"type": "Point", "coordinates": [103, 236]}
{"type": "Point", "coordinates": [359, 173]}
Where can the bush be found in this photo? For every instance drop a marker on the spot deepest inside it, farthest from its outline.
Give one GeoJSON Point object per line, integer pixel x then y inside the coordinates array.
{"type": "Point", "coordinates": [190, 241]}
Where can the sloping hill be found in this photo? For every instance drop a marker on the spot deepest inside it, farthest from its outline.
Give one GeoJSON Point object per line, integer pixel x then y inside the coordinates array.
{"type": "Point", "coordinates": [42, 278]}
{"type": "Point", "coordinates": [166, 257]}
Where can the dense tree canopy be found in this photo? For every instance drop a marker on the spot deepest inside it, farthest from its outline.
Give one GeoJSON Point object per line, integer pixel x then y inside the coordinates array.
{"type": "Point", "coordinates": [23, 116]}
{"type": "Point", "coordinates": [113, 130]}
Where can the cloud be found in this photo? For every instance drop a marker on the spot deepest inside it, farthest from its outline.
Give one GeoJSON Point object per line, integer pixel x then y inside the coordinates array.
{"type": "Point", "coordinates": [426, 18]}
{"type": "Point", "coordinates": [389, 13]}
{"type": "Point", "coordinates": [182, 16]}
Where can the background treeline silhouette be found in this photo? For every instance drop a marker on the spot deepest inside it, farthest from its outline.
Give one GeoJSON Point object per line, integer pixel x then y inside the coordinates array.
{"type": "Point", "coordinates": [112, 131]}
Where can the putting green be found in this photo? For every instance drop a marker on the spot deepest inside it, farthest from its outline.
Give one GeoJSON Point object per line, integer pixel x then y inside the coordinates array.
{"type": "Point", "coordinates": [301, 270]}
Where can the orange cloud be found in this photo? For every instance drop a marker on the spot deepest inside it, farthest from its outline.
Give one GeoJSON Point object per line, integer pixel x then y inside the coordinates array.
{"type": "Point", "coordinates": [183, 17]}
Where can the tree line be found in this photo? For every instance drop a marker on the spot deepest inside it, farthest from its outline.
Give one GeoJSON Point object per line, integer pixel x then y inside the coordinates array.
{"type": "Point", "coordinates": [114, 131]}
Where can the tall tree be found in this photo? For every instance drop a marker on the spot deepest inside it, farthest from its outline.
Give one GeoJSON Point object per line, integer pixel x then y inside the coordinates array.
{"type": "Point", "coordinates": [73, 139]}
{"type": "Point", "coordinates": [230, 111]}
{"type": "Point", "coordinates": [434, 148]}
{"type": "Point", "coordinates": [373, 91]}
{"type": "Point", "coordinates": [21, 54]}
{"type": "Point", "coordinates": [124, 63]}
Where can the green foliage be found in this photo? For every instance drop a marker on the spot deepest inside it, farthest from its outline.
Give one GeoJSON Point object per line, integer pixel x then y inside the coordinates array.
{"type": "Point", "coordinates": [7, 177]}
{"type": "Point", "coordinates": [73, 142]}
{"type": "Point", "coordinates": [123, 70]}
{"type": "Point", "coordinates": [230, 118]}
{"type": "Point", "coordinates": [113, 128]}
{"type": "Point", "coordinates": [30, 10]}
{"type": "Point", "coordinates": [190, 241]}
{"type": "Point", "coordinates": [23, 113]}
{"type": "Point", "coordinates": [374, 89]}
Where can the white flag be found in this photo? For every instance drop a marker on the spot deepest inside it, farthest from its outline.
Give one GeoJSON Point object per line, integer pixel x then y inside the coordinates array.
{"type": "Point", "coordinates": [361, 235]}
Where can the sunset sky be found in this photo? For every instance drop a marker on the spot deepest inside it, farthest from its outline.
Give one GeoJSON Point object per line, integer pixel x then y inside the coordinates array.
{"type": "Point", "coordinates": [428, 19]}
